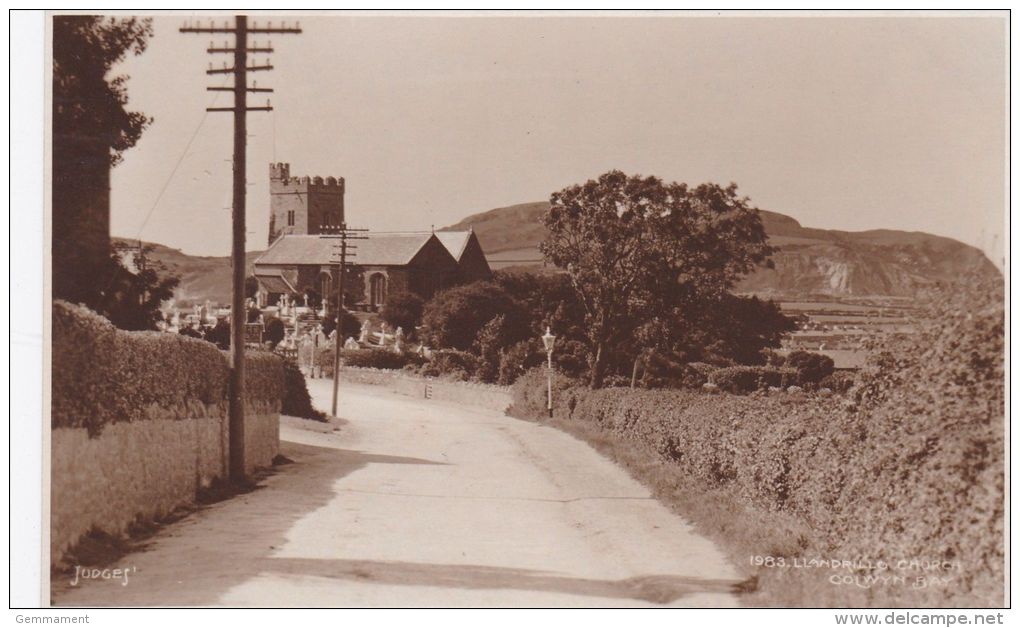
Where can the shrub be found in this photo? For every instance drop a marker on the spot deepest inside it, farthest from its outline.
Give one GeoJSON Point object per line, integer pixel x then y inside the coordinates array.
{"type": "Point", "coordinates": [220, 334]}
{"type": "Point", "coordinates": [296, 401]}
{"type": "Point", "coordinates": [662, 370]}
{"type": "Point", "coordinates": [530, 395]}
{"type": "Point", "coordinates": [275, 331]}
{"type": "Point", "coordinates": [811, 367]}
{"type": "Point", "coordinates": [349, 326]}
{"type": "Point", "coordinates": [545, 299]}
{"type": "Point", "coordinates": [838, 382]}
{"type": "Point", "coordinates": [745, 379]}
{"type": "Point", "coordinates": [488, 346]}
{"type": "Point", "coordinates": [454, 317]}
{"type": "Point", "coordinates": [616, 381]}
{"type": "Point", "coordinates": [570, 357]}
{"type": "Point", "coordinates": [516, 360]}
{"type": "Point", "coordinates": [403, 309]}
{"type": "Point", "coordinates": [451, 363]}
{"type": "Point", "coordinates": [692, 377]}
{"type": "Point", "coordinates": [703, 368]}
{"type": "Point", "coordinates": [773, 358]}
{"type": "Point", "coordinates": [191, 332]}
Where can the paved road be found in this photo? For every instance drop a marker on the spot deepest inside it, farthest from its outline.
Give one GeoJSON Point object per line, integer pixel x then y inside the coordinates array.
{"type": "Point", "coordinates": [420, 503]}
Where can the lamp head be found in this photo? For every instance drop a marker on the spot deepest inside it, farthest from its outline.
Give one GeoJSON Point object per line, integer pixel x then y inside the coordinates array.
{"type": "Point", "coordinates": [548, 339]}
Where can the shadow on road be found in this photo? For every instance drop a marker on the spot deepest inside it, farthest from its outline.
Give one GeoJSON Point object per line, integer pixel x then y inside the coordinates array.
{"type": "Point", "coordinates": [656, 589]}
{"type": "Point", "coordinates": [183, 564]}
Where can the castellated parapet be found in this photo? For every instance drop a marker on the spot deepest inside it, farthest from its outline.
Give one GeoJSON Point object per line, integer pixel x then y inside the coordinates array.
{"type": "Point", "coordinates": [302, 205]}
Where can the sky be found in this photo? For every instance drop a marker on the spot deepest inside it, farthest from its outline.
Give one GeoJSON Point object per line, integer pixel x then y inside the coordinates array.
{"type": "Point", "coordinates": [842, 123]}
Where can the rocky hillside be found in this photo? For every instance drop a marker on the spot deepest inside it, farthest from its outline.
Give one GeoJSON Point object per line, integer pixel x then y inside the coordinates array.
{"type": "Point", "coordinates": [809, 261]}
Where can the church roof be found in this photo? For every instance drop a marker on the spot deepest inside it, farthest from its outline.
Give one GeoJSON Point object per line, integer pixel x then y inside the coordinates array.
{"type": "Point", "coordinates": [275, 282]}
{"type": "Point", "coordinates": [383, 249]}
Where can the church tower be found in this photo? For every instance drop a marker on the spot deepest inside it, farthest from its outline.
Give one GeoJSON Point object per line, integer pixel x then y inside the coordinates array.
{"type": "Point", "coordinates": [302, 205]}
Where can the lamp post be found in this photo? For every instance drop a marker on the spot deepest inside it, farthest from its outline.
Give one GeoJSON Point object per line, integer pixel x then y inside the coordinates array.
{"type": "Point", "coordinates": [549, 340]}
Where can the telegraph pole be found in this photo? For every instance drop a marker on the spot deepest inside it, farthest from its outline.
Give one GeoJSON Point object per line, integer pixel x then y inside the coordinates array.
{"type": "Point", "coordinates": [240, 31]}
{"type": "Point", "coordinates": [343, 233]}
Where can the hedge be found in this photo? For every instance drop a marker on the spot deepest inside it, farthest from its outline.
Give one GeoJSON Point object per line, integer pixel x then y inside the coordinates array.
{"type": "Point", "coordinates": [752, 443]}
{"type": "Point", "coordinates": [103, 375]}
{"type": "Point", "coordinates": [910, 466]}
{"type": "Point", "coordinates": [296, 401]}
{"type": "Point", "coordinates": [379, 359]}
{"type": "Point", "coordinates": [367, 358]}
{"type": "Point", "coordinates": [744, 379]}
{"type": "Point", "coordinates": [811, 367]}
{"type": "Point", "coordinates": [264, 378]}
{"type": "Point", "coordinates": [452, 364]}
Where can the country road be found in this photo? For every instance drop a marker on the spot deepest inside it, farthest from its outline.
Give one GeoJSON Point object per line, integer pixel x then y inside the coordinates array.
{"type": "Point", "coordinates": [421, 503]}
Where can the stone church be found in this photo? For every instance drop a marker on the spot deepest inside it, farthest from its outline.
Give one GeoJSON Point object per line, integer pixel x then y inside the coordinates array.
{"type": "Point", "coordinates": [301, 261]}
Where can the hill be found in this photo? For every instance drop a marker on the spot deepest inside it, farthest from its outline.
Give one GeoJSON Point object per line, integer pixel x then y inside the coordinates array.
{"type": "Point", "coordinates": [202, 278]}
{"type": "Point", "coordinates": [880, 262]}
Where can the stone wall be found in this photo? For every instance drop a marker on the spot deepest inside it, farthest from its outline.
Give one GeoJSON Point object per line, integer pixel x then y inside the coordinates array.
{"type": "Point", "coordinates": [468, 393]}
{"type": "Point", "coordinates": [261, 435]}
{"type": "Point", "coordinates": [142, 470]}
{"type": "Point", "coordinates": [139, 423]}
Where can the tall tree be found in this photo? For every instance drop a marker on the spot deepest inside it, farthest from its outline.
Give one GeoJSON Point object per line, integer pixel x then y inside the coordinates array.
{"type": "Point", "coordinates": [636, 249]}
{"type": "Point", "coordinates": [88, 107]}
{"type": "Point", "coordinates": [91, 129]}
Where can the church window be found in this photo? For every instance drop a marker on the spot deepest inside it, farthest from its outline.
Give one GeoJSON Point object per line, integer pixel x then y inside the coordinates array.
{"type": "Point", "coordinates": [377, 290]}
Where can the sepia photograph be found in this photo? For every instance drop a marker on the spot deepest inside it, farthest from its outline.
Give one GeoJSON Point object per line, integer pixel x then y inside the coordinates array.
{"type": "Point", "coordinates": [527, 309]}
